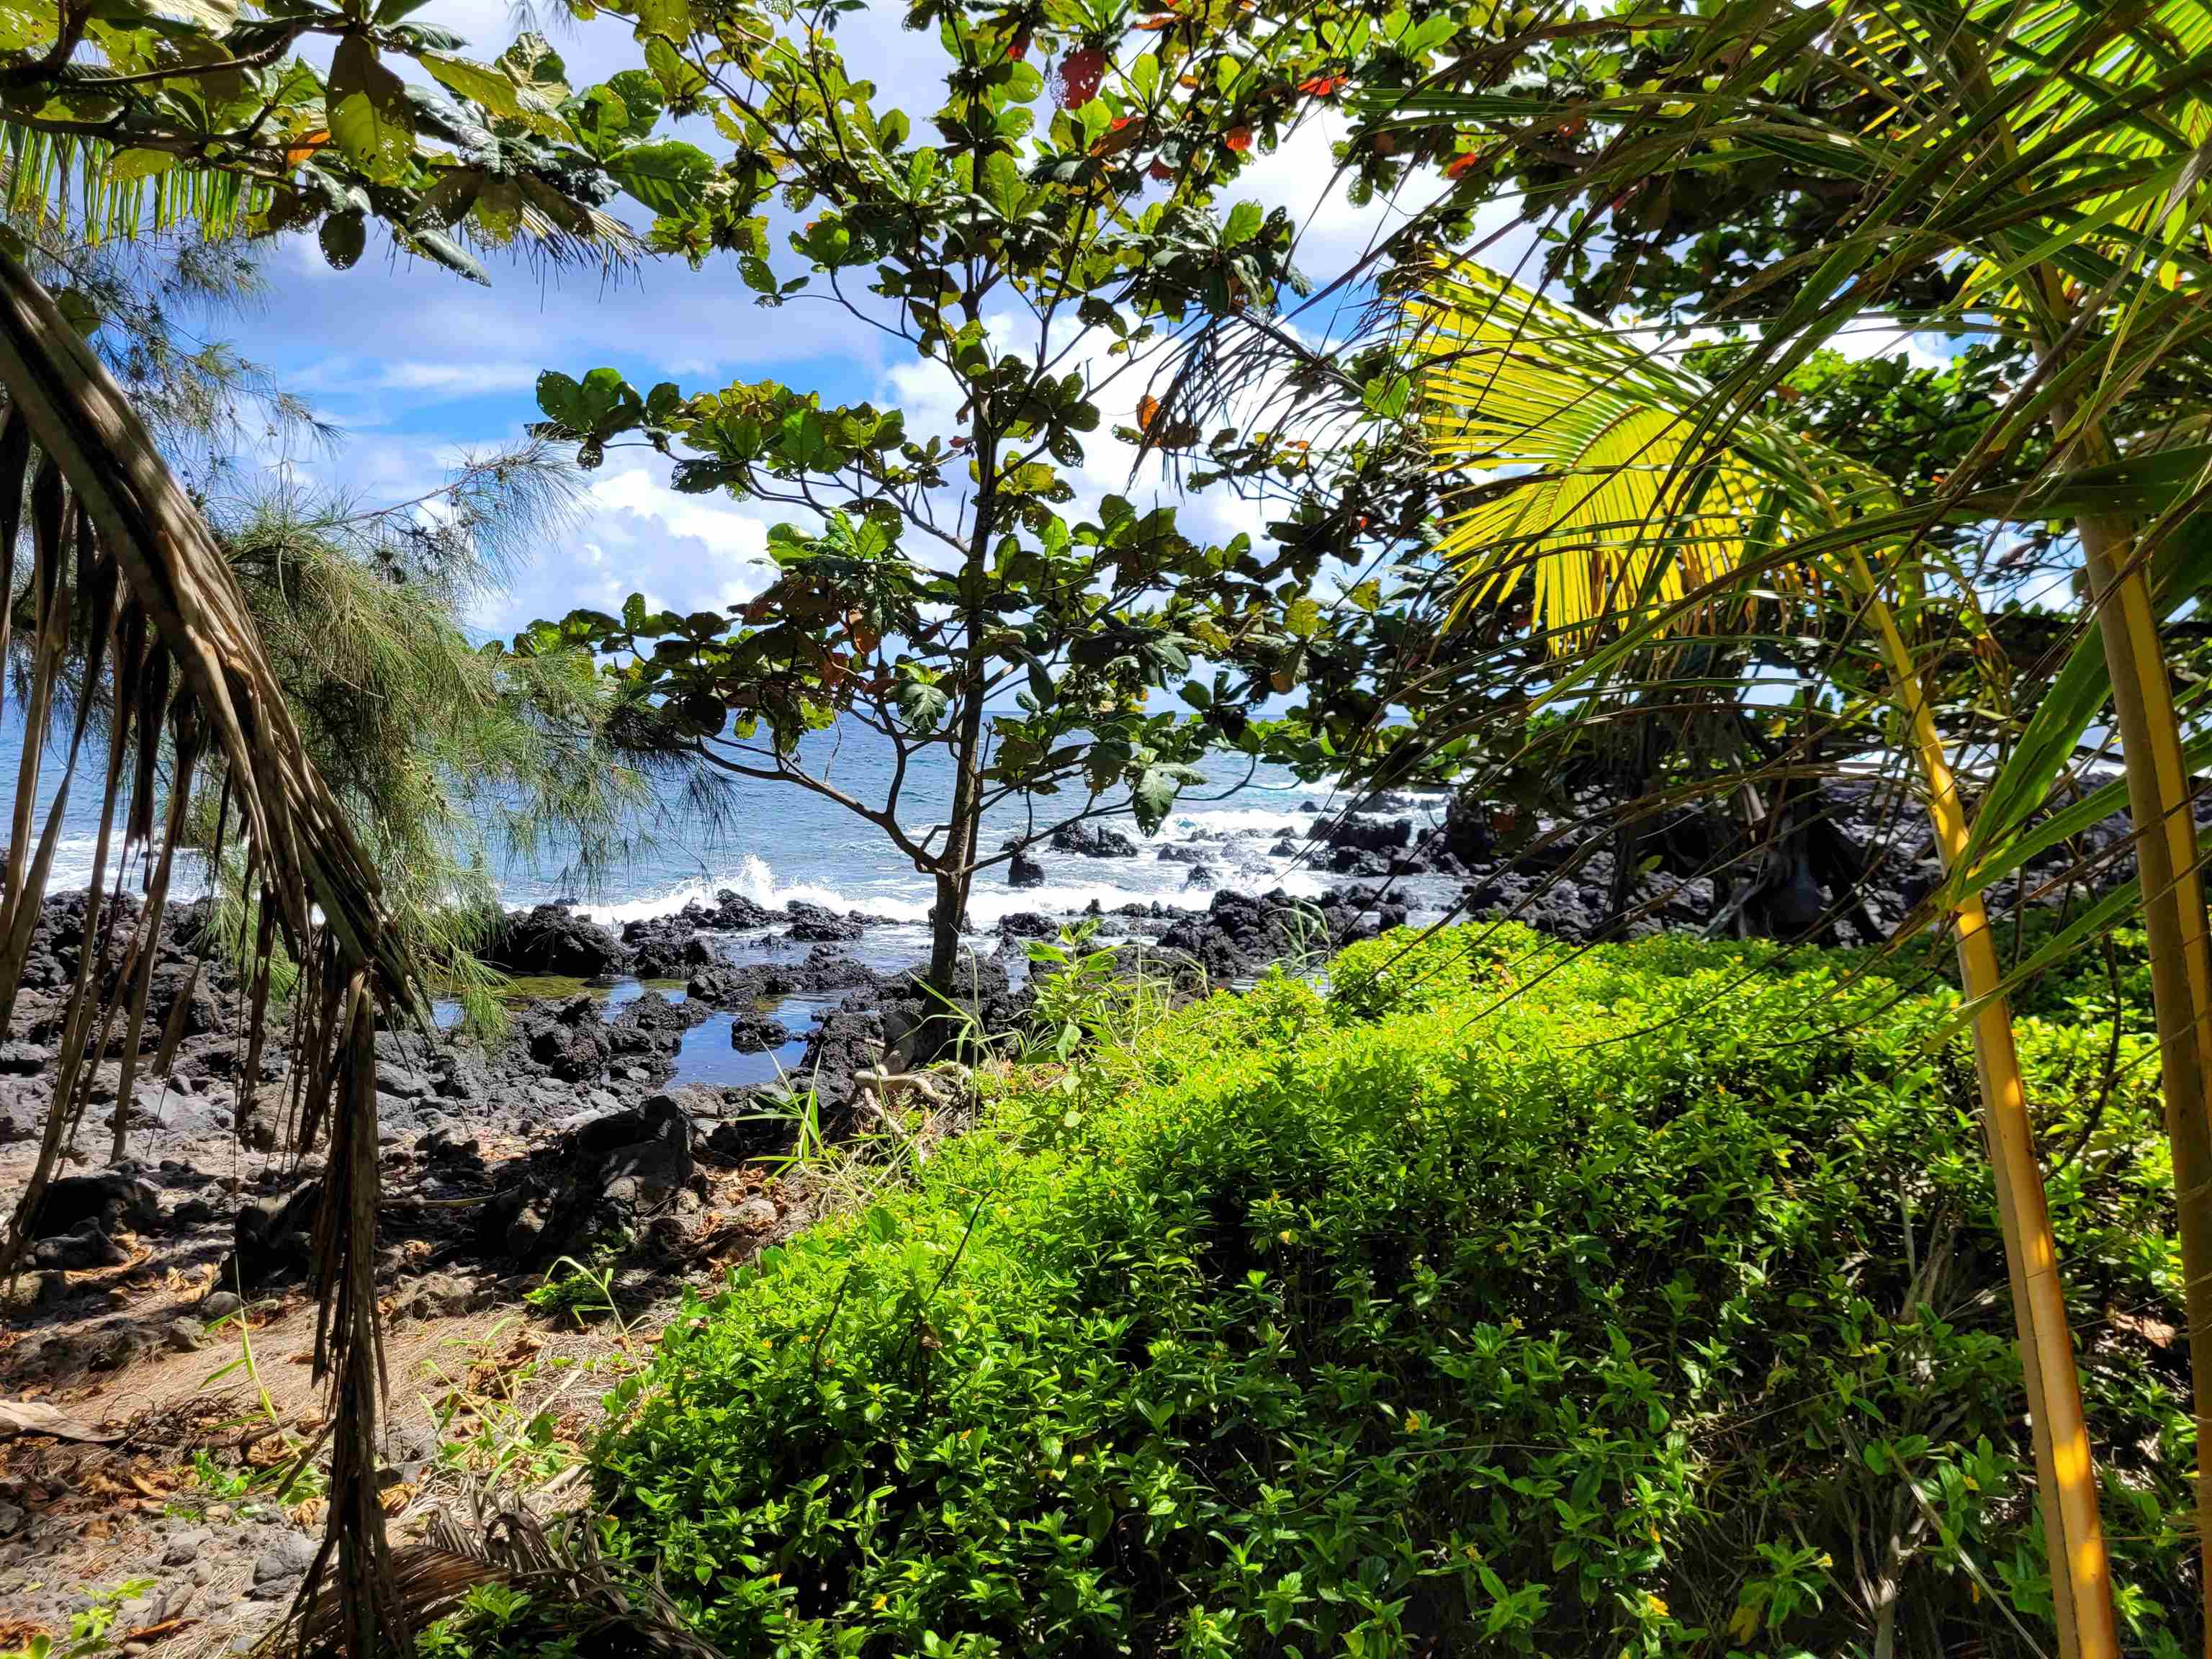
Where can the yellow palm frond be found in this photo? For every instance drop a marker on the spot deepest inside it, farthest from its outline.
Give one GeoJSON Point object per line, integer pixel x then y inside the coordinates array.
{"type": "Point", "coordinates": [1605, 493]}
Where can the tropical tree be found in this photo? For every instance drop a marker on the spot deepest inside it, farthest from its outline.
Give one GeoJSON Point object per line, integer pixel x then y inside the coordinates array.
{"type": "Point", "coordinates": [453, 759]}
{"type": "Point", "coordinates": [1038, 240]}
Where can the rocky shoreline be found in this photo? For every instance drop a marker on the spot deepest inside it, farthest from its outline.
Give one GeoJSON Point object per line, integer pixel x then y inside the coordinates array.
{"type": "Point", "coordinates": [791, 986]}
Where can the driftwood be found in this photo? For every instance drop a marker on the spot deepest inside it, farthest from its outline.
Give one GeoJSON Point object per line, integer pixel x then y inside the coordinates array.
{"type": "Point", "coordinates": [29, 1417]}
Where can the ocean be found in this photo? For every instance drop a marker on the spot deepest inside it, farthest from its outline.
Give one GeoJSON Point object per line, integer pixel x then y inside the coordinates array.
{"type": "Point", "coordinates": [775, 842]}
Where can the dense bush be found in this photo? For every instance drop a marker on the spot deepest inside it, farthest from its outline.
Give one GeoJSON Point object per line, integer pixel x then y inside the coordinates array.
{"type": "Point", "coordinates": [1643, 1302]}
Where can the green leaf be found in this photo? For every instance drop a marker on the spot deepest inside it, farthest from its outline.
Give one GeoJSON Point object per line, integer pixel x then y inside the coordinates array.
{"type": "Point", "coordinates": [343, 237]}
{"type": "Point", "coordinates": [678, 77]}
{"type": "Point", "coordinates": [1303, 618]}
{"type": "Point", "coordinates": [1002, 183]}
{"type": "Point", "coordinates": [603, 393]}
{"type": "Point", "coordinates": [449, 253]}
{"type": "Point", "coordinates": [1153, 797]}
{"type": "Point", "coordinates": [920, 173]}
{"type": "Point", "coordinates": [215, 16]}
{"type": "Point", "coordinates": [922, 707]}
{"type": "Point", "coordinates": [562, 401]}
{"type": "Point", "coordinates": [670, 19]}
{"type": "Point", "coordinates": [1244, 221]}
{"type": "Point", "coordinates": [531, 62]}
{"type": "Point", "coordinates": [668, 177]}
{"type": "Point", "coordinates": [1387, 395]}
{"type": "Point", "coordinates": [481, 83]}
{"type": "Point", "coordinates": [641, 96]}
{"type": "Point", "coordinates": [139, 163]}
{"type": "Point", "coordinates": [370, 114]}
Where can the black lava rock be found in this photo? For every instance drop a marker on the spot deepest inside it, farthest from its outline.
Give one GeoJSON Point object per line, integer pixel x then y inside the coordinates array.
{"type": "Point", "coordinates": [1096, 841]}
{"type": "Point", "coordinates": [553, 939]}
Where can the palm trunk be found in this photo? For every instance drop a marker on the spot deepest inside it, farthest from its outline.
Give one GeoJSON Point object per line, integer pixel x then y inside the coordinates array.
{"type": "Point", "coordinates": [2066, 1480]}
{"type": "Point", "coordinates": [2172, 896]}
{"type": "Point", "coordinates": [2159, 801]}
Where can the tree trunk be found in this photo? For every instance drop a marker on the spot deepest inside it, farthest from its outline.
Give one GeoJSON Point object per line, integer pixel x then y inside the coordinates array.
{"type": "Point", "coordinates": [955, 869]}
{"type": "Point", "coordinates": [944, 934]}
{"type": "Point", "coordinates": [2066, 1480]}
{"type": "Point", "coordinates": [2160, 806]}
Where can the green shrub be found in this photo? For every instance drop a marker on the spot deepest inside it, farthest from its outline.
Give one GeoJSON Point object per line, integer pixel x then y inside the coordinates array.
{"type": "Point", "coordinates": [1510, 1301]}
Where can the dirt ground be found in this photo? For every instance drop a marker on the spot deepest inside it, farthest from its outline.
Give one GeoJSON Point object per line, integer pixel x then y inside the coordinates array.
{"type": "Point", "coordinates": [173, 1524]}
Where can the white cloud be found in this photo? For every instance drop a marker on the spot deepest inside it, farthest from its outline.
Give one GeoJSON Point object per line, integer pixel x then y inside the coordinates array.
{"type": "Point", "coordinates": [638, 499]}
{"type": "Point", "coordinates": [459, 380]}
{"type": "Point", "coordinates": [635, 534]}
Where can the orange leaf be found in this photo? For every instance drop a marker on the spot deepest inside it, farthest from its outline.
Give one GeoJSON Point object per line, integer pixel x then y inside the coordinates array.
{"type": "Point", "coordinates": [299, 154]}
{"type": "Point", "coordinates": [1148, 410]}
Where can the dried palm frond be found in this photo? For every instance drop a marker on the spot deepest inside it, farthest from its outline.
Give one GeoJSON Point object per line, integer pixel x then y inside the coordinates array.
{"type": "Point", "coordinates": [73, 181]}
{"type": "Point", "coordinates": [127, 583]}
{"type": "Point", "coordinates": [575, 1594]}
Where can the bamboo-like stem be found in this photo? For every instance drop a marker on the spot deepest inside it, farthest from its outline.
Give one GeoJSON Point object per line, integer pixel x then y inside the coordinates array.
{"type": "Point", "coordinates": [2065, 1467]}
{"type": "Point", "coordinates": [2160, 808]}
{"type": "Point", "coordinates": [2166, 844]}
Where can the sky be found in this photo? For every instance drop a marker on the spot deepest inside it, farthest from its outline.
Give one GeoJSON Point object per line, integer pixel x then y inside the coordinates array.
{"type": "Point", "coordinates": [419, 367]}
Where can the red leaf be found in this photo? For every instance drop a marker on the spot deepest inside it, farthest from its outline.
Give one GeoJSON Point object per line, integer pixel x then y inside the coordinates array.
{"type": "Point", "coordinates": [1080, 72]}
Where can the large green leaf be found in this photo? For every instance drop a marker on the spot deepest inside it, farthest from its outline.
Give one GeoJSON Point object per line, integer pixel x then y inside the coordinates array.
{"type": "Point", "coordinates": [370, 117]}
{"type": "Point", "coordinates": [1152, 797]}
{"type": "Point", "coordinates": [921, 705]}
{"type": "Point", "coordinates": [481, 83]}
{"type": "Point", "coordinates": [668, 177]}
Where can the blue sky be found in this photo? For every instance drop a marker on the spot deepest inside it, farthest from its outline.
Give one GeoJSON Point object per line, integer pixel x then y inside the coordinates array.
{"type": "Point", "coordinates": [418, 366]}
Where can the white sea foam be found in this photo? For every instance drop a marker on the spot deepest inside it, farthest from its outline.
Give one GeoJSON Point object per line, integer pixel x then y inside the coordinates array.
{"type": "Point", "coordinates": [72, 869]}
{"type": "Point", "coordinates": [756, 880]}
{"type": "Point", "coordinates": [1108, 883]}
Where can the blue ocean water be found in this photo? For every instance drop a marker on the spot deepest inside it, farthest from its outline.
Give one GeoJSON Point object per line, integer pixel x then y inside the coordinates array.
{"type": "Point", "coordinates": [776, 841]}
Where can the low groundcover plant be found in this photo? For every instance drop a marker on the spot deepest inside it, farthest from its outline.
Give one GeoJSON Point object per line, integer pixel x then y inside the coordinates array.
{"type": "Point", "coordinates": [1643, 1300]}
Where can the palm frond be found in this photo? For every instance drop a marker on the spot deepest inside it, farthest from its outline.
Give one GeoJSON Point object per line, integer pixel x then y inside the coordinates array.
{"type": "Point", "coordinates": [74, 183]}
{"type": "Point", "coordinates": [1599, 487]}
